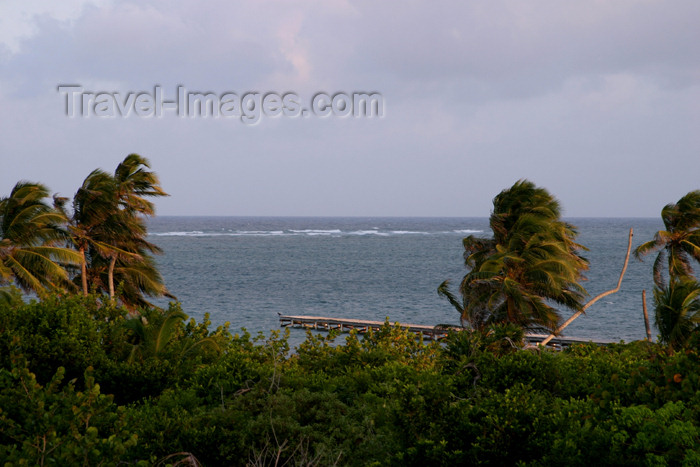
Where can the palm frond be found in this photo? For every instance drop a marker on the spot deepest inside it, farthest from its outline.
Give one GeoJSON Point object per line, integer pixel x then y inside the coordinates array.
{"type": "Point", "coordinates": [444, 291]}
{"type": "Point", "coordinates": [532, 257]}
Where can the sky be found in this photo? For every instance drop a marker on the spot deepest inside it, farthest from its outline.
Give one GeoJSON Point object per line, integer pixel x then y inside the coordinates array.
{"type": "Point", "coordinates": [597, 101]}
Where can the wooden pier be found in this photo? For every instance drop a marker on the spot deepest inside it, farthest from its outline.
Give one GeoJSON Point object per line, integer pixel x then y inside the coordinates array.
{"type": "Point", "coordinates": [429, 332]}
{"type": "Point", "coordinates": [361, 326]}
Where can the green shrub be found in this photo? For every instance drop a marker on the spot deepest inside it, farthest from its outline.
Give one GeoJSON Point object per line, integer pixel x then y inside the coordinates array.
{"type": "Point", "coordinates": [72, 332]}
{"type": "Point", "coordinates": [57, 424]}
{"type": "Point", "coordinates": [384, 398]}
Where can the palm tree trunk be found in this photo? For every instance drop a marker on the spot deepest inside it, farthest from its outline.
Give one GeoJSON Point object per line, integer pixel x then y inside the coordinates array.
{"type": "Point", "coordinates": [646, 315]}
{"type": "Point", "coordinates": [510, 310]}
{"type": "Point", "coordinates": [83, 271]}
{"type": "Point", "coordinates": [111, 276]}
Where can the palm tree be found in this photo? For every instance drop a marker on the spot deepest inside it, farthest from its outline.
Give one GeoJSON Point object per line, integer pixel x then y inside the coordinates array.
{"type": "Point", "coordinates": [165, 334]}
{"type": "Point", "coordinates": [109, 230]}
{"type": "Point", "coordinates": [153, 338]}
{"type": "Point", "coordinates": [93, 204]}
{"type": "Point", "coordinates": [133, 184]}
{"type": "Point", "coordinates": [679, 242]}
{"type": "Point", "coordinates": [133, 267]}
{"type": "Point", "coordinates": [531, 261]}
{"type": "Point", "coordinates": [32, 242]}
{"type": "Point", "coordinates": [677, 308]}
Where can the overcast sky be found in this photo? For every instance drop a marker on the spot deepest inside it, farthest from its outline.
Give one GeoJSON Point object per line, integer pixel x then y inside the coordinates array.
{"type": "Point", "coordinates": [597, 101]}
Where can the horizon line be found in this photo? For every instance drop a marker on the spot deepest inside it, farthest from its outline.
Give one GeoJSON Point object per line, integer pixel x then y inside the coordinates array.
{"type": "Point", "coordinates": [356, 216]}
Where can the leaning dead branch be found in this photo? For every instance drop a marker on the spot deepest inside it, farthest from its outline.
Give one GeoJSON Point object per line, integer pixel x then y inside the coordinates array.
{"type": "Point", "coordinates": [596, 298]}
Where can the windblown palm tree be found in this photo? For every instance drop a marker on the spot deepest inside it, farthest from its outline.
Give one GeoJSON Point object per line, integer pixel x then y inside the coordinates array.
{"type": "Point", "coordinates": [108, 229]}
{"type": "Point", "coordinates": [677, 308]}
{"type": "Point", "coordinates": [531, 261]}
{"type": "Point", "coordinates": [133, 268]}
{"type": "Point", "coordinates": [133, 184]}
{"type": "Point", "coordinates": [679, 243]}
{"type": "Point", "coordinates": [93, 204]}
{"type": "Point", "coordinates": [32, 243]}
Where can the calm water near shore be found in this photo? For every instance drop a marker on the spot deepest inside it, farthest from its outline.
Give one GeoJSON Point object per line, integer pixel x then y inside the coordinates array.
{"type": "Point", "coordinates": [246, 270]}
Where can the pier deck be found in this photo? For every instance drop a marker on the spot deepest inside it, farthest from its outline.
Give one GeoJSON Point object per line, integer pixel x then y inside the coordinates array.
{"type": "Point", "coordinates": [430, 332]}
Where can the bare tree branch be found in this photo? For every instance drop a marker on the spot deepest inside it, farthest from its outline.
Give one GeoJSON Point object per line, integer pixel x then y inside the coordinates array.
{"type": "Point", "coordinates": [596, 298]}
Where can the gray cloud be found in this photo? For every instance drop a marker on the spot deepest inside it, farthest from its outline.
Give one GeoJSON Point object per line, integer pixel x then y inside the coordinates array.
{"type": "Point", "coordinates": [597, 101]}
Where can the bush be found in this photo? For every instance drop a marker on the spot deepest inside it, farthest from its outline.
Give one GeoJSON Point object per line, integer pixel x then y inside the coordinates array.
{"type": "Point", "coordinates": [384, 398]}
{"type": "Point", "coordinates": [74, 333]}
{"type": "Point", "coordinates": [56, 423]}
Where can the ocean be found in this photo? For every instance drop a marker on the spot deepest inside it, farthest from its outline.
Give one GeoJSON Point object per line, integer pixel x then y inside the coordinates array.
{"type": "Point", "coordinates": [248, 270]}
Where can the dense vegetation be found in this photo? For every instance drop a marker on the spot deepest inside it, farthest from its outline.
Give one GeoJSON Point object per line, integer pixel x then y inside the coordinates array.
{"type": "Point", "coordinates": [677, 304]}
{"type": "Point", "coordinates": [73, 390]}
{"type": "Point", "coordinates": [103, 378]}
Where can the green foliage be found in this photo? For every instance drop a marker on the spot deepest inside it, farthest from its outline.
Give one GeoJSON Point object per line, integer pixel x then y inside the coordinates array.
{"type": "Point", "coordinates": [633, 435]}
{"type": "Point", "coordinates": [32, 250]}
{"type": "Point", "coordinates": [56, 423]}
{"type": "Point", "coordinates": [384, 398]}
{"type": "Point", "coordinates": [531, 261]}
{"type": "Point", "coordinates": [11, 296]}
{"type": "Point", "coordinates": [74, 333]}
{"type": "Point", "coordinates": [676, 304]}
{"type": "Point", "coordinates": [107, 227]}
{"type": "Point", "coordinates": [79, 332]}
{"type": "Point", "coordinates": [376, 348]}
{"type": "Point", "coordinates": [159, 350]}
{"type": "Point", "coordinates": [101, 243]}
{"type": "Point", "coordinates": [677, 310]}
{"type": "Point", "coordinates": [679, 243]}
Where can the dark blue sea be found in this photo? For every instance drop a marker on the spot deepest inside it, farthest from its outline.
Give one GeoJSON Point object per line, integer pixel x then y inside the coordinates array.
{"type": "Point", "coordinates": [246, 270]}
